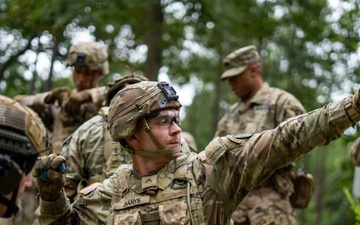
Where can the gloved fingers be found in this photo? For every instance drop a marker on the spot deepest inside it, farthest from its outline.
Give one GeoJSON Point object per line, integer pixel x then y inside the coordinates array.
{"type": "Point", "coordinates": [57, 94]}
{"type": "Point", "coordinates": [43, 164]}
{"type": "Point", "coordinates": [57, 178]}
{"type": "Point", "coordinates": [56, 162]}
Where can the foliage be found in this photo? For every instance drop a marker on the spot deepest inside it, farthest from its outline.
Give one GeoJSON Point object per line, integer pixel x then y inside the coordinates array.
{"type": "Point", "coordinates": [355, 205]}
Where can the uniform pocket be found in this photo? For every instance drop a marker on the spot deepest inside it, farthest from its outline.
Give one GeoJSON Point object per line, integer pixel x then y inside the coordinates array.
{"type": "Point", "coordinates": [176, 213]}
{"type": "Point", "coordinates": [129, 219]}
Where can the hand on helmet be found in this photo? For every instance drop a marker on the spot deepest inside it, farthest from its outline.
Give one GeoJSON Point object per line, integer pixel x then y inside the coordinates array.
{"type": "Point", "coordinates": [50, 172]}
{"type": "Point", "coordinates": [72, 107]}
{"type": "Point", "coordinates": [58, 94]}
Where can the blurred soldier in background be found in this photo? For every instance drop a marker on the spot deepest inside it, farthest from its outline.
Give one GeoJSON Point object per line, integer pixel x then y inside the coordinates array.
{"type": "Point", "coordinates": [260, 107]}
{"type": "Point", "coordinates": [63, 110]}
{"type": "Point", "coordinates": [91, 155]}
{"type": "Point", "coordinates": [164, 185]}
{"type": "Point", "coordinates": [22, 137]}
{"type": "Point", "coordinates": [190, 140]}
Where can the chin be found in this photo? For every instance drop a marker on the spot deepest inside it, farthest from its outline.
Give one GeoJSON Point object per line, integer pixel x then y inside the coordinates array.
{"type": "Point", "coordinates": [175, 155]}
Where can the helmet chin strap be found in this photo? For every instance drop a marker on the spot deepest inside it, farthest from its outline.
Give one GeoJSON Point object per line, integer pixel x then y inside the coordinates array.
{"type": "Point", "coordinates": [12, 208]}
{"type": "Point", "coordinates": [165, 152]}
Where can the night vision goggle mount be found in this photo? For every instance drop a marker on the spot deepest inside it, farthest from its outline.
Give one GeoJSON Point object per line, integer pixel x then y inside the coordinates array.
{"type": "Point", "coordinates": [169, 92]}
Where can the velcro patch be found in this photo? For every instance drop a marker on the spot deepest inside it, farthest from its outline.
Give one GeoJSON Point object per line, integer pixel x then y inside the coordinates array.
{"type": "Point", "coordinates": [90, 188]}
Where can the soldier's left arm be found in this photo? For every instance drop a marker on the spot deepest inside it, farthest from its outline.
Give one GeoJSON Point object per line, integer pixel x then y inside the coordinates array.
{"type": "Point", "coordinates": [237, 169]}
{"type": "Point", "coordinates": [98, 95]}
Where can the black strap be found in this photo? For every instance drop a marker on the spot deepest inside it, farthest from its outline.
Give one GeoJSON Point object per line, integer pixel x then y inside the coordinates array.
{"type": "Point", "coordinates": [12, 208]}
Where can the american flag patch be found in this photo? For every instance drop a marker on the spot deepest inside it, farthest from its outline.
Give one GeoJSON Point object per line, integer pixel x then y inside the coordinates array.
{"type": "Point", "coordinates": [90, 188]}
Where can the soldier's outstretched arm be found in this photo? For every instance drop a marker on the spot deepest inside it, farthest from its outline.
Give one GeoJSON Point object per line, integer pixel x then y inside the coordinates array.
{"type": "Point", "coordinates": [237, 165]}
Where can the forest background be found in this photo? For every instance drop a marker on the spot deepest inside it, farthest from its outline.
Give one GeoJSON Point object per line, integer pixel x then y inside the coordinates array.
{"type": "Point", "coordinates": [309, 48]}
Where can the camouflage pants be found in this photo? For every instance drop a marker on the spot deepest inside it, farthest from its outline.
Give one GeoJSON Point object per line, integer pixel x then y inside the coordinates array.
{"type": "Point", "coordinates": [264, 206]}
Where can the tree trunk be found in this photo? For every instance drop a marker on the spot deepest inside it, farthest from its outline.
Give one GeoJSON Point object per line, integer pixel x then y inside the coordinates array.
{"type": "Point", "coordinates": [55, 53]}
{"type": "Point", "coordinates": [154, 40]}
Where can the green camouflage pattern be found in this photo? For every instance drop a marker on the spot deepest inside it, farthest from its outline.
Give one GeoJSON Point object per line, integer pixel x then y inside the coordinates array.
{"type": "Point", "coordinates": [96, 56]}
{"type": "Point", "coordinates": [238, 61]}
{"type": "Point", "coordinates": [115, 86]}
{"type": "Point", "coordinates": [59, 124]}
{"type": "Point", "coordinates": [131, 104]}
{"type": "Point", "coordinates": [223, 174]}
{"type": "Point", "coordinates": [270, 202]}
{"type": "Point", "coordinates": [91, 155]}
{"type": "Point", "coordinates": [355, 152]}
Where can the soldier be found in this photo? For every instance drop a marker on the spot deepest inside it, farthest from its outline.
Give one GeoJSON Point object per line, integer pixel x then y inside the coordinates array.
{"type": "Point", "coordinates": [163, 186]}
{"type": "Point", "coordinates": [22, 137]}
{"type": "Point", "coordinates": [91, 155]}
{"type": "Point", "coordinates": [63, 110]}
{"type": "Point", "coordinates": [260, 107]}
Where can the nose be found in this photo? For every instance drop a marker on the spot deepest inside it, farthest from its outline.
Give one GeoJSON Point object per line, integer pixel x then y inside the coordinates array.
{"type": "Point", "coordinates": [27, 182]}
{"type": "Point", "coordinates": [175, 128]}
{"type": "Point", "coordinates": [82, 75]}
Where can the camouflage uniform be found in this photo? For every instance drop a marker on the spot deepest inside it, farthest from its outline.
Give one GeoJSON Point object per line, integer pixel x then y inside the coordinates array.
{"type": "Point", "coordinates": [270, 201]}
{"type": "Point", "coordinates": [91, 155]}
{"type": "Point", "coordinates": [58, 121]}
{"type": "Point", "coordinates": [202, 188]}
{"type": "Point", "coordinates": [264, 111]}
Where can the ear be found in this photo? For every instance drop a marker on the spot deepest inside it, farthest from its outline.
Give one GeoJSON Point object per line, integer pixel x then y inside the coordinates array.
{"type": "Point", "coordinates": [132, 139]}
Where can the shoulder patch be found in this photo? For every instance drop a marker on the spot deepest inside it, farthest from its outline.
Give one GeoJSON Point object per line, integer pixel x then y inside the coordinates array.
{"type": "Point", "coordinates": [90, 188]}
{"type": "Point", "coordinates": [243, 136]}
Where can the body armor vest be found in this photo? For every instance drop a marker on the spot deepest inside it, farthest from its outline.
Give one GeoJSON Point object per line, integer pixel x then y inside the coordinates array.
{"type": "Point", "coordinates": [162, 198]}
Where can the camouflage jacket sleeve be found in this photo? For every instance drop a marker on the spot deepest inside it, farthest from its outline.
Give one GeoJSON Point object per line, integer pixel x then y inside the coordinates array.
{"type": "Point", "coordinates": [98, 95]}
{"type": "Point", "coordinates": [355, 152]}
{"type": "Point", "coordinates": [84, 154]}
{"type": "Point", "coordinates": [90, 208]}
{"type": "Point", "coordinates": [234, 169]}
{"type": "Point", "coordinates": [36, 102]}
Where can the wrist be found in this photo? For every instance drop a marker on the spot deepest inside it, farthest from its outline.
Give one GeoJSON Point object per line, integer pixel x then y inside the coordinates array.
{"type": "Point", "coordinates": [50, 196]}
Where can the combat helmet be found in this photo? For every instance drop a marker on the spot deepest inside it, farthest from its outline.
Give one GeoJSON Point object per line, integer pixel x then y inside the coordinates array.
{"type": "Point", "coordinates": [92, 55]}
{"type": "Point", "coordinates": [117, 85]}
{"type": "Point", "coordinates": [135, 103]}
{"type": "Point", "coordinates": [22, 137]}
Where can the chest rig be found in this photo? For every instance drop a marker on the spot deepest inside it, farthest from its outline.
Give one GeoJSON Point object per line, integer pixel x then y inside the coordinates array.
{"type": "Point", "coordinates": [171, 196]}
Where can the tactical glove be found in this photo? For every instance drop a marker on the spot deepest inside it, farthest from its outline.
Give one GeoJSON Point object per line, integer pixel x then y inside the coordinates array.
{"type": "Point", "coordinates": [58, 94]}
{"type": "Point", "coordinates": [50, 172]}
{"type": "Point", "coordinates": [73, 106]}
